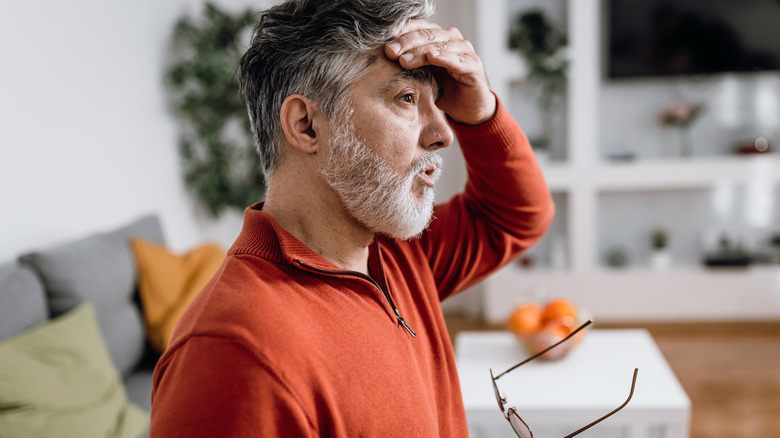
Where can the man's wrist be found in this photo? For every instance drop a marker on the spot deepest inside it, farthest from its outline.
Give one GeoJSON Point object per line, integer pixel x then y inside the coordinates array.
{"type": "Point", "coordinates": [481, 116]}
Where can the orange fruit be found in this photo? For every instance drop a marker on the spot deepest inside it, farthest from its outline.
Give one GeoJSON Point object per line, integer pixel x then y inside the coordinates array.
{"type": "Point", "coordinates": [562, 328]}
{"type": "Point", "coordinates": [559, 309]}
{"type": "Point", "coordinates": [558, 328]}
{"type": "Point", "coordinates": [547, 336]}
{"type": "Point", "coordinates": [526, 319]}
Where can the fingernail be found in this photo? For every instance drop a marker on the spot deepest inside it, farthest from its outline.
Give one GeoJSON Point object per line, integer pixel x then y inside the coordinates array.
{"type": "Point", "coordinates": [394, 47]}
{"type": "Point", "coordinates": [407, 57]}
{"type": "Point", "coordinates": [435, 52]}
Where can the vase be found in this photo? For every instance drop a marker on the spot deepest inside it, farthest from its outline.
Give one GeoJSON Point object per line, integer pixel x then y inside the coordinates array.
{"type": "Point", "coordinates": [661, 260]}
{"type": "Point", "coordinates": [686, 145]}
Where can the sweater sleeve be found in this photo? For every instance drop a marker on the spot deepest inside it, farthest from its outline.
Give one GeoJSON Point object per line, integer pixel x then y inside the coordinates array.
{"type": "Point", "coordinates": [229, 392]}
{"type": "Point", "coordinates": [505, 208]}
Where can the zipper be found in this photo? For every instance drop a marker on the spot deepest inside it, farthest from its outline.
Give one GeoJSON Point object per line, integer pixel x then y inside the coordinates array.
{"type": "Point", "coordinates": [398, 316]}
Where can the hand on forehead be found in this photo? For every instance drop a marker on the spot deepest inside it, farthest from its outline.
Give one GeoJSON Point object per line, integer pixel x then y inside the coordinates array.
{"type": "Point", "coordinates": [467, 97]}
{"type": "Point", "coordinates": [414, 25]}
{"type": "Point", "coordinates": [415, 41]}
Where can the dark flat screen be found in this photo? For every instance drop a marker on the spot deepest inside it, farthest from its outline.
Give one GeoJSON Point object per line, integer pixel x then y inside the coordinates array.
{"type": "Point", "coordinates": [691, 37]}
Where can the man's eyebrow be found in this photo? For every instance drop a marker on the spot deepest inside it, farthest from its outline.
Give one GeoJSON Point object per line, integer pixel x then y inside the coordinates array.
{"type": "Point", "coordinates": [419, 75]}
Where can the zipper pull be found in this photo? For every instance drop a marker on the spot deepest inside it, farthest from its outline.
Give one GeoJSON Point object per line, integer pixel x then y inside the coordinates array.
{"type": "Point", "coordinates": [406, 326]}
{"type": "Point", "coordinates": [402, 321]}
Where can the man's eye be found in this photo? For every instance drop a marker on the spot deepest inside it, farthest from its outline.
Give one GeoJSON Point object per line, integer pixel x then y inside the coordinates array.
{"type": "Point", "coordinates": [408, 98]}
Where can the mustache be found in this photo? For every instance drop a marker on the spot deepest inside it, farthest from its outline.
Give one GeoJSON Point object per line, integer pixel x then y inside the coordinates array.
{"type": "Point", "coordinates": [426, 160]}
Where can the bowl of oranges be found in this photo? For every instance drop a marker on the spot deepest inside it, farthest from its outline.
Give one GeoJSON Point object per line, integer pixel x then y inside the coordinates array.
{"type": "Point", "coordinates": [539, 326]}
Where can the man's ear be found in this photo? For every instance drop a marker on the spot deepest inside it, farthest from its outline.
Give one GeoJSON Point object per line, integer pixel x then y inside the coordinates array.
{"type": "Point", "coordinates": [301, 122]}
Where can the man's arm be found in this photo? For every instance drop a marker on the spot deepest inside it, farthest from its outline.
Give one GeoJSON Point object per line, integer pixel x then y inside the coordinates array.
{"type": "Point", "coordinates": [506, 206]}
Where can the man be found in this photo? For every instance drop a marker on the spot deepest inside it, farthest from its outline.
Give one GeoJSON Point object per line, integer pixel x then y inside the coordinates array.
{"type": "Point", "coordinates": [325, 318]}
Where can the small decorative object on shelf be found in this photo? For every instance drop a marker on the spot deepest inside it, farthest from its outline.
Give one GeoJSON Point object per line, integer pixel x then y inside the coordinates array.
{"type": "Point", "coordinates": [774, 244]}
{"type": "Point", "coordinates": [765, 247]}
{"type": "Point", "coordinates": [542, 45]}
{"type": "Point", "coordinates": [681, 116]}
{"type": "Point", "coordinates": [728, 255]}
{"type": "Point", "coordinates": [660, 258]}
{"type": "Point", "coordinates": [758, 145]}
{"type": "Point", "coordinates": [617, 258]}
{"type": "Point", "coordinates": [622, 156]}
{"type": "Point", "coordinates": [538, 327]}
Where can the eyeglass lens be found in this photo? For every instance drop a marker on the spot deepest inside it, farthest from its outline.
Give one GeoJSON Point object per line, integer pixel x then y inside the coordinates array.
{"type": "Point", "coordinates": [518, 425]}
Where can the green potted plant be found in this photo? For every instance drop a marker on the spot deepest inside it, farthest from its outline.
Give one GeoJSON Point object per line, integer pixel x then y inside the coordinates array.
{"type": "Point", "coordinates": [660, 258]}
{"type": "Point", "coordinates": [217, 153]}
{"type": "Point", "coordinates": [542, 45]}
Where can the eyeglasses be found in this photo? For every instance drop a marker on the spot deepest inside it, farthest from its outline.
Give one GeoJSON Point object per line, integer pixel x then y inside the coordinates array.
{"type": "Point", "coordinates": [518, 425]}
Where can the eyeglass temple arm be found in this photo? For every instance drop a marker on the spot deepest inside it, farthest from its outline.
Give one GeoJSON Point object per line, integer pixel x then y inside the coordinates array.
{"type": "Point", "coordinates": [633, 384]}
{"type": "Point", "coordinates": [587, 323]}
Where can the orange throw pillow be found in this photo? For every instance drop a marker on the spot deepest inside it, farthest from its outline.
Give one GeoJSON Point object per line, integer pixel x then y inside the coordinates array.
{"type": "Point", "coordinates": [168, 282]}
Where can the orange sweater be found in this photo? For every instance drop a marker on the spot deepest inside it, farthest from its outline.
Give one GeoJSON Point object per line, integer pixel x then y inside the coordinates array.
{"type": "Point", "coordinates": [283, 343]}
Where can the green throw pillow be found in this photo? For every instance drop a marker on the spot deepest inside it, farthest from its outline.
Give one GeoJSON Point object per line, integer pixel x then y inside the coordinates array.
{"type": "Point", "coordinates": [58, 380]}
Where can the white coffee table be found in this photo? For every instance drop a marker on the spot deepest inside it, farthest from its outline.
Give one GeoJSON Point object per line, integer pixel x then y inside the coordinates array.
{"type": "Point", "coordinates": [557, 398]}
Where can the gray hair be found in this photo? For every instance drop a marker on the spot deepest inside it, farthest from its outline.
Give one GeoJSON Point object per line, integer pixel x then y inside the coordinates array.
{"type": "Point", "coordinates": [318, 49]}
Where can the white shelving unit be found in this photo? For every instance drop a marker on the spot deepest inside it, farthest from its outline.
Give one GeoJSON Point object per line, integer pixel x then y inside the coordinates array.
{"type": "Point", "coordinates": [684, 292]}
{"type": "Point", "coordinates": [701, 173]}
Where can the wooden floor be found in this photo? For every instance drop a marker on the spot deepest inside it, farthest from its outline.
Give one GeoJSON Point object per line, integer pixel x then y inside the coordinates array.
{"type": "Point", "coordinates": [731, 372]}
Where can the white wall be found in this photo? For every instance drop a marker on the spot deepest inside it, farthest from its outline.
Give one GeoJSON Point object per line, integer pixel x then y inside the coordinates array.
{"type": "Point", "coordinates": [84, 128]}
{"type": "Point", "coordinates": [87, 139]}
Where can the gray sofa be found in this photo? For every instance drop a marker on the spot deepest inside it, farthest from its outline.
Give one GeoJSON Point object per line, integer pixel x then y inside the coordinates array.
{"type": "Point", "coordinates": [100, 268]}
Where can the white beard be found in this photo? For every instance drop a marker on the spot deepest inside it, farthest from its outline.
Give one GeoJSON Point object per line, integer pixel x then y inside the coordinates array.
{"type": "Point", "coordinates": [377, 196]}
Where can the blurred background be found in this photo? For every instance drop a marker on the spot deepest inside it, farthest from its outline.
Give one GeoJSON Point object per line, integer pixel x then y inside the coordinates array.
{"type": "Point", "coordinates": [657, 125]}
{"type": "Point", "coordinates": [89, 130]}
{"type": "Point", "coordinates": [661, 156]}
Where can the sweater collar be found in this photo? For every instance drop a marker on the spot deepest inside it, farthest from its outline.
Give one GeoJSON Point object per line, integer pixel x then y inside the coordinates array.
{"type": "Point", "coordinates": [262, 236]}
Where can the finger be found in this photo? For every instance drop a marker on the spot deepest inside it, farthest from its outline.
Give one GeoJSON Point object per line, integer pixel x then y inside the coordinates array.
{"type": "Point", "coordinates": [457, 55]}
{"type": "Point", "coordinates": [437, 42]}
{"type": "Point", "coordinates": [462, 67]}
{"type": "Point", "coordinates": [413, 25]}
{"type": "Point", "coordinates": [472, 76]}
{"type": "Point", "coordinates": [419, 34]}
{"type": "Point", "coordinates": [424, 36]}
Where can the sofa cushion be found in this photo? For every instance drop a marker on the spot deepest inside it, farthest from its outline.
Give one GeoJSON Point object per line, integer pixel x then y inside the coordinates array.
{"type": "Point", "coordinates": [168, 282]}
{"type": "Point", "coordinates": [57, 379]}
{"type": "Point", "coordinates": [100, 268]}
{"type": "Point", "coordinates": [139, 388]}
{"type": "Point", "coordinates": [22, 300]}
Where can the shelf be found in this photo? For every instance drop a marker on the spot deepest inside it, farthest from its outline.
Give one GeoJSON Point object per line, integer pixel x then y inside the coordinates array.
{"type": "Point", "coordinates": [615, 204]}
{"type": "Point", "coordinates": [766, 272]}
{"type": "Point", "coordinates": [637, 294]}
{"type": "Point", "coordinates": [683, 174]}
{"type": "Point", "coordinates": [668, 174]}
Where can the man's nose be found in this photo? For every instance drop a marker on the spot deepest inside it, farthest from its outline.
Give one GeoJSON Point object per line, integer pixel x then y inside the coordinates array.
{"type": "Point", "coordinates": [436, 132]}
